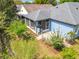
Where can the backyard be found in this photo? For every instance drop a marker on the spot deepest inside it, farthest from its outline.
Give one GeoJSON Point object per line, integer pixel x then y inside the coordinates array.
{"type": "Point", "coordinates": [25, 45]}
{"type": "Point", "coordinates": [17, 41]}
{"type": "Point", "coordinates": [34, 49]}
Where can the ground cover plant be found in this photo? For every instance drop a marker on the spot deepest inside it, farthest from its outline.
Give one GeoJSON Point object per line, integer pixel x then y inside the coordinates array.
{"type": "Point", "coordinates": [69, 53]}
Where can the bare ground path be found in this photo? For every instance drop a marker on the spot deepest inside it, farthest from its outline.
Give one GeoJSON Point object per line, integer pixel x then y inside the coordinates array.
{"type": "Point", "coordinates": [46, 50]}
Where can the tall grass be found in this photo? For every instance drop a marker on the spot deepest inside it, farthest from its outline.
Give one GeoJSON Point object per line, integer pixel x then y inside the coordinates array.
{"type": "Point", "coordinates": [23, 49]}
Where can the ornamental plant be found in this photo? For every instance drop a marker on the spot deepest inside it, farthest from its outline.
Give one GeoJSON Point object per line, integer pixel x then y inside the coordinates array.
{"type": "Point", "coordinates": [69, 53]}
{"type": "Point", "coordinates": [57, 41]}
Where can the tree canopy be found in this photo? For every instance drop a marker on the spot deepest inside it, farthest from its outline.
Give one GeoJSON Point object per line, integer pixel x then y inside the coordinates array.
{"type": "Point", "coordinates": [18, 2]}
{"type": "Point", "coordinates": [41, 1]}
{"type": "Point", "coordinates": [62, 1]}
{"type": "Point", "coordinates": [7, 14]}
{"type": "Point", "coordinates": [53, 2]}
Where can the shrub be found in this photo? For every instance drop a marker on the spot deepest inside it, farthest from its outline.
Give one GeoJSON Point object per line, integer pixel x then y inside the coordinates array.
{"type": "Point", "coordinates": [17, 27]}
{"type": "Point", "coordinates": [69, 53]}
{"type": "Point", "coordinates": [57, 41]}
{"type": "Point", "coordinates": [71, 36]}
{"type": "Point", "coordinates": [27, 36]}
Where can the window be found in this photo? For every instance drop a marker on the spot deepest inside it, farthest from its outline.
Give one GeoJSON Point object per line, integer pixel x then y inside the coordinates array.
{"type": "Point", "coordinates": [44, 24]}
{"type": "Point", "coordinates": [32, 24]}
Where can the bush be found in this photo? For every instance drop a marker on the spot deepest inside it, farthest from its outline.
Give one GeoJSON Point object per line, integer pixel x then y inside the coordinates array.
{"type": "Point", "coordinates": [69, 53]}
{"type": "Point", "coordinates": [57, 41]}
{"type": "Point", "coordinates": [71, 36]}
{"type": "Point", "coordinates": [17, 27]}
{"type": "Point", "coordinates": [27, 36]}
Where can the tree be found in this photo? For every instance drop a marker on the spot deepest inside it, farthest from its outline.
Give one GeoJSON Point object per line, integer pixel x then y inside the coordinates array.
{"type": "Point", "coordinates": [62, 1]}
{"type": "Point", "coordinates": [41, 1]}
{"type": "Point", "coordinates": [53, 2]}
{"type": "Point", "coordinates": [7, 14]}
{"type": "Point", "coordinates": [27, 2]}
{"type": "Point", "coordinates": [18, 2]}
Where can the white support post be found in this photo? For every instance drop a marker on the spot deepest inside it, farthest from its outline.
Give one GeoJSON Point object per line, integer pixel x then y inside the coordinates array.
{"type": "Point", "coordinates": [25, 20]}
{"type": "Point", "coordinates": [36, 23]}
{"type": "Point", "coordinates": [29, 23]}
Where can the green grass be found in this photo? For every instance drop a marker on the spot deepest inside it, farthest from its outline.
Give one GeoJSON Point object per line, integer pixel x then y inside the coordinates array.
{"type": "Point", "coordinates": [30, 50]}
{"type": "Point", "coordinates": [23, 49]}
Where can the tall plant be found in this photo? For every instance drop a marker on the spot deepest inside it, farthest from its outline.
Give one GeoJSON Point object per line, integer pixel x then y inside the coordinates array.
{"type": "Point", "coordinates": [7, 14]}
{"type": "Point", "coordinates": [17, 27]}
{"type": "Point", "coordinates": [57, 41]}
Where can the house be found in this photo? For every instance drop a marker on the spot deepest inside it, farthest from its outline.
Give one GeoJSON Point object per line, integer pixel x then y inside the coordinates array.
{"type": "Point", "coordinates": [27, 8]}
{"type": "Point", "coordinates": [63, 18]}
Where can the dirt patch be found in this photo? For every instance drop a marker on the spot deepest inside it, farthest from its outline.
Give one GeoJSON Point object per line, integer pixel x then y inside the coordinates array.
{"type": "Point", "coordinates": [46, 50]}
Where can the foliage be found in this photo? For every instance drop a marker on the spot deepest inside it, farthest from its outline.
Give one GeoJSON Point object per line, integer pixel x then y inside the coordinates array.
{"type": "Point", "coordinates": [27, 2]}
{"type": "Point", "coordinates": [41, 1]}
{"type": "Point", "coordinates": [18, 2]}
{"type": "Point", "coordinates": [57, 41]}
{"type": "Point", "coordinates": [28, 36]}
{"type": "Point", "coordinates": [7, 14]}
{"type": "Point", "coordinates": [71, 36]}
{"type": "Point", "coordinates": [53, 2]}
{"type": "Point", "coordinates": [69, 53]}
{"type": "Point", "coordinates": [8, 8]}
{"type": "Point", "coordinates": [24, 49]}
{"type": "Point", "coordinates": [62, 1]}
{"type": "Point", "coordinates": [17, 27]}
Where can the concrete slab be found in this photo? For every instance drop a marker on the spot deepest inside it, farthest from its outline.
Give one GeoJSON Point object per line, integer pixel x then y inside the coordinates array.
{"type": "Point", "coordinates": [45, 36]}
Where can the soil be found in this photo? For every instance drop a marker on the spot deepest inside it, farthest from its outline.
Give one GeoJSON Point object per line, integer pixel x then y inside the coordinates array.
{"type": "Point", "coordinates": [46, 50]}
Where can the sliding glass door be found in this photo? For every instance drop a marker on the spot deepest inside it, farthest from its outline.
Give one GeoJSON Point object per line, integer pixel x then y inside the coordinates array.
{"type": "Point", "coordinates": [44, 25]}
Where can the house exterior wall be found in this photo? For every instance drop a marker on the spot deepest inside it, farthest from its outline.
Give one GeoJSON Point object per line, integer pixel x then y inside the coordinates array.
{"type": "Point", "coordinates": [22, 10]}
{"type": "Point", "coordinates": [40, 30]}
{"type": "Point", "coordinates": [30, 24]}
{"type": "Point", "coordinates": [61, 27]}
{"type": "Point", "coordinates": [55, 26]}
